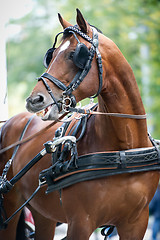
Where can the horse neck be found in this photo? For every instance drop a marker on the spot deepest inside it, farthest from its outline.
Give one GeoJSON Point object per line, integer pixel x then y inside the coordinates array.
{"type": "Point", "coordinates": [120, 94]}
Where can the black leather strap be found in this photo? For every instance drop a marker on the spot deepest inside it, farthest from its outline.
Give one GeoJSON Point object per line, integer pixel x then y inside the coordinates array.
{"type": "Point", "coordinates": [89, 174]}
{"type": "Point", "coordinates": [58, 83]}
{"type": "Point", "coordinates": [97, 165]}
{"type": "Point", "coordinates": [74, 84]}
{"type": "Point", "coordinates": [155, 145]}
{"type": "Point", "coordinates": [8, 164]}
{"type": "Point", "coordinates": [50, 92]}
{"type": "Point", "coordinates": [80, 33]}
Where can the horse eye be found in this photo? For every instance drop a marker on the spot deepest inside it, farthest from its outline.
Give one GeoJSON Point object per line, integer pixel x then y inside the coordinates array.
{"type": "Point", "coordinates": [71, 55]}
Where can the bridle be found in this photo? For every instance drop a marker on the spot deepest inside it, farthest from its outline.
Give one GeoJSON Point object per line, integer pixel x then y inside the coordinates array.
{"type": "Point", "coordinates": [82, 58]}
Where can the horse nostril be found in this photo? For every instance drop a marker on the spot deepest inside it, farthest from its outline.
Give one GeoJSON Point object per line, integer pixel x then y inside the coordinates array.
{"type": "Point", "coordinates": [37, 99]}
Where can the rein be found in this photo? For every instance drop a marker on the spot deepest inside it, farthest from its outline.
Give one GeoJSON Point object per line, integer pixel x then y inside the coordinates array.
{"type": "Point", "coordinates": [32, 136]}
{"type": "Point", "coordinates": [120, 115]}
{"type": "Point", "coordinates": [3, 121]}
{"type": "Point", "coordinates": [77, 110]}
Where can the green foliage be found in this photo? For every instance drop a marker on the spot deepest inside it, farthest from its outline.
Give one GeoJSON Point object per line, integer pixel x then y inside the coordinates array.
{"type": "Point", "coordinates": [130, 24]}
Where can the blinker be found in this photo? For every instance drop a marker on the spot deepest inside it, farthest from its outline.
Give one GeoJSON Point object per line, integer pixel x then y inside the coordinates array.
{"type": "Point", "coordinates": [81, 55]}
{"type": "Point", "coordinates": [48, 57]}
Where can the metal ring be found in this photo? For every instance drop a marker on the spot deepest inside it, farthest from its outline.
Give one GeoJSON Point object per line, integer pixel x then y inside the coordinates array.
{"type": "Point", "coordinates": [64, 105]}
{"type": "Point", "coordinates": [65, 100]}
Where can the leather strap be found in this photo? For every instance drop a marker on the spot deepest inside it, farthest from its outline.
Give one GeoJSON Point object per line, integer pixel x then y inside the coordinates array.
{"type": "Point", "coordinates": [50, 92]}
{"type": "Point", "coordinates": [58, 83]}
{"type": "Point", "coordinates": [27, 139]}
{"type": "Point", "coordinates": [92, 174]}
{"type": "Point", "coordinates": [121, 115]}
{"type": "Point", "coordinates": [100, 164]}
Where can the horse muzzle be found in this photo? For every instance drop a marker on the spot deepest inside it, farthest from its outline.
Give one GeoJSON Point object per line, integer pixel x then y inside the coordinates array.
{"type": "Point", "coordinates": [43, 108]}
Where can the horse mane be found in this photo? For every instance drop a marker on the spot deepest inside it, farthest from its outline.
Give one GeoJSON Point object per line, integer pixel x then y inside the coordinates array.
{"type": "Point", "coordinates": [96, 28]}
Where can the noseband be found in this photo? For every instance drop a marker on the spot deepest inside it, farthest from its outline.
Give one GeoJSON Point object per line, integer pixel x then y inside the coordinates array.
{"type": "Point", "coordinates": [82, 58]}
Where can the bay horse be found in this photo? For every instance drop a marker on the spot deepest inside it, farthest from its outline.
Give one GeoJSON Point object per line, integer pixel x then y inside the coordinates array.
{"type": "Point", "coordinates": [120, 200]}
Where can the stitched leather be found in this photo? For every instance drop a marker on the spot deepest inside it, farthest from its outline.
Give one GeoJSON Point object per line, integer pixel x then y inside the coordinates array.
{"type": "Point", "coordinates": [97, 165]}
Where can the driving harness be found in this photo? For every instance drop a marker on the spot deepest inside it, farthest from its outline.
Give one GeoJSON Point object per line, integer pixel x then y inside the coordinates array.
{"type": "Point", "coordinates": [67, 167]}
{"type": "Point", "coordinates": [64, 173]}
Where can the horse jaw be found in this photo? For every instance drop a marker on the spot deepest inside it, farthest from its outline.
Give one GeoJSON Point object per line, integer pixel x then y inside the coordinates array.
{"type": "Point", "coordinates": [49, 113]}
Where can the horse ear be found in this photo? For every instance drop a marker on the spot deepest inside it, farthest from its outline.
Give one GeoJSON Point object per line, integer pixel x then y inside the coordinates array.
{"type": "Point", "coordinates": [82, 23]}
{"type": "Point", "coordinates": [63, 22]}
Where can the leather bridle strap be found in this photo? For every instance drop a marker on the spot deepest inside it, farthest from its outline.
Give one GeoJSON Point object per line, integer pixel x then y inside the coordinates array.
{"type": "Point", "coordinates": [58, 83]}
{"type": "Point", "coordinates": [63, 87]}
{"type": "Point", "coordinates": [50, 92]}
{"type": "Point", "coordinates": [81, 74]}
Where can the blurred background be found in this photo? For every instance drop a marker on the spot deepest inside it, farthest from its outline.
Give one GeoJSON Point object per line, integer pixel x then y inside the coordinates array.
{"type": "Point", "coordinates": [28, 28]}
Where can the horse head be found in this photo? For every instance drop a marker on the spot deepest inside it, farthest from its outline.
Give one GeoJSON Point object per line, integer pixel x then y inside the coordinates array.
{"type": "Point", "coordinates": [72, 72]}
